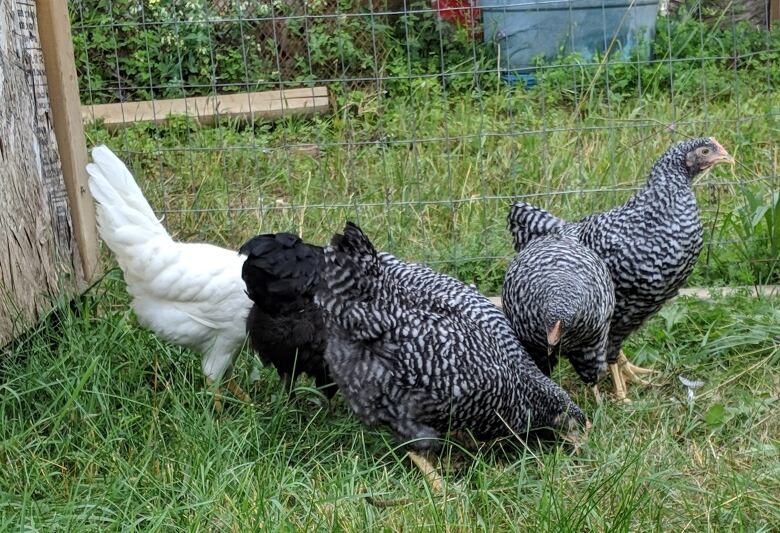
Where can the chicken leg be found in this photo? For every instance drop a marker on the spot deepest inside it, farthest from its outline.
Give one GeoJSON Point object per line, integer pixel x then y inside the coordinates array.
{"type": "Point", "coordinates": [620, 385]}
{"type": "Point", "coordinates": [217, 399]}
{"type": "Point", "coordinates": [631, 371]}
{"type": "Point", "coordinates": [624, 371]}
{"type": "Point", "coordinates": [233, 387]}
{"type": "Point", "coordinates": [595, 390]}
{"type": "Point", "coordinates": [237, 391]}
{"type": "Point", "coordinates": [430, 472]}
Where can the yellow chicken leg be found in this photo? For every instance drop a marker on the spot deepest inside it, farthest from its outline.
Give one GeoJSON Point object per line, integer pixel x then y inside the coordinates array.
{"type": "Point", "coordinates": [595, 390]}
{"type": "Point", "coordinates": [430, 472]}
{"type": "Point", "coordinates": [217, 399]}
{"type": "Point", "coordinates": [237, 391]}
{"type": "Point", "coordinates": [233, 387]}
{"type": "Point", "coordinates": [632, 372]}
{"type": "Point", "coordinates": [617, 379]}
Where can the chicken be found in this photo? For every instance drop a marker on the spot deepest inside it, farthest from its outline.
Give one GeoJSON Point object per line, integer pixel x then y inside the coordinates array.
{"type": "Point", "coordinates": [190, 294]}
{"type": "Point", "coordinates": [285, 326]}
{"type": "Point", "coordinates": [559, 297]}
{"type": "Point", "coordinates": [650, 244]}
{"type": "Point", "coordinates": [424, 354]}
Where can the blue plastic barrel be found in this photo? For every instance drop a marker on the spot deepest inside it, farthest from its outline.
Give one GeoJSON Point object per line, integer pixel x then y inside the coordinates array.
{"type": "Point", "coordinates": [526, 29]}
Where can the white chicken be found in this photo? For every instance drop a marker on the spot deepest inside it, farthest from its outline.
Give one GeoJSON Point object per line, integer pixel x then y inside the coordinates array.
{"type": "Point", "coordinates": [190, 294]}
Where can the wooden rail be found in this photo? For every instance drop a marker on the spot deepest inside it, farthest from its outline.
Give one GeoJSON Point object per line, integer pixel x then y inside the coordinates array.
{"type": "Point", "coordinates": [762, 291]}
{"type": "Point", "coordinates": [209, 109]}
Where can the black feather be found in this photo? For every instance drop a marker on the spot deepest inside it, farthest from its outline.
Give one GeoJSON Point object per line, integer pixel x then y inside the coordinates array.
{"type": "Point", "coordinates": [285, 325]}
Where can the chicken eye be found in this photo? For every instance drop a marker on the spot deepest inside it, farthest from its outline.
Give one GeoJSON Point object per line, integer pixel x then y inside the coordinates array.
{"type": "Point", "coordinates": [705, 151]}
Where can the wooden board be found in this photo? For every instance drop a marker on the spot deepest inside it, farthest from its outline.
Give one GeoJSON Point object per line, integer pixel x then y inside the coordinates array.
{"type": "Point", "coordinates": [774, 13]}
{"type": "Point", "coordinates": [63, 87]}
{"type": "Point", "coordinates": [209, 109]}
{"type": "Point", "coordinates": [39, 258]}
{"type": "Point", "coordinates": [762, 291]}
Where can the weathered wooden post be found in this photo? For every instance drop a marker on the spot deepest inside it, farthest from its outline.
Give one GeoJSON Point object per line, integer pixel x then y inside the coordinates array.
{"type": "Point", "coordinates": [48, 244]}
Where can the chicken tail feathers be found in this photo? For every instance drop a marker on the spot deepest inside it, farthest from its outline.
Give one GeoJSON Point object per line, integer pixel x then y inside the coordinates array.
{"type": "Point", "coordinates": [527, 221]}
{"type": "Point", "coordinates": [354, 295]}
{"type": "Point", "coordinates": [123, 214]}
{"type": "Point", "coordinates": [280, 265]}
{"type": "Point", "coordinates": [351, 262]}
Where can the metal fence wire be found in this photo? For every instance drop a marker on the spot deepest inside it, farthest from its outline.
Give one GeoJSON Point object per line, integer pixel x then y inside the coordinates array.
{"type": "Point", "coordinates": [431, 132]}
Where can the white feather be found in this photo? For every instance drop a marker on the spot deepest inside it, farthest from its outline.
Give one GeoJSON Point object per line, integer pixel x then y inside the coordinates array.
{"type": "Point", "coordinates": [190, 294]}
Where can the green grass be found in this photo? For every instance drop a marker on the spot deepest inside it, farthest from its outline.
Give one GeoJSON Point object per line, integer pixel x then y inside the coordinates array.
{"type": "Point", "coordinates": [103, 427]}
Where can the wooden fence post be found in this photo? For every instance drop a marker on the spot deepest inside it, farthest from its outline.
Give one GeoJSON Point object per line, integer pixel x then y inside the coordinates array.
{"type": "Point", "coordinates": [774, 13]}
{"type": "Point", "coordinates": [57, 48]}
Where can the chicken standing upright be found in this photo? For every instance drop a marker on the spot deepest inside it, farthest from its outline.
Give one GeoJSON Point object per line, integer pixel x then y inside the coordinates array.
{"type": "Point", "coordinates": [650, 244]}
{"type": "Point", "coordinates": [285, 326]}
{"type": "Point", "coordinates": [424, 354]}
{"type": "Point", "coordinates": [190, 294]}
{"type": "Point", "coordinates": [559, 297]}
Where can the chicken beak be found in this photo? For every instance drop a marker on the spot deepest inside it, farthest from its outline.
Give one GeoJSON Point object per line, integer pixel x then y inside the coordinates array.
{"type": "Point", "coordinates": [577, 437]}
{"type": "Point", "coordinates": [720, 155]}
{"type": "Point", "coordinates": [554, 334]}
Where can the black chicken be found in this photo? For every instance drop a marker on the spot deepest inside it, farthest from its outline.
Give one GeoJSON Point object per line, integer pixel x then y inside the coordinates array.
{"type": "Point", "coordinates": [650, 244]}
{"type": "Point", "coordinates": [424, 354]}
{"type": "Point", "coordinates": [285, 325]}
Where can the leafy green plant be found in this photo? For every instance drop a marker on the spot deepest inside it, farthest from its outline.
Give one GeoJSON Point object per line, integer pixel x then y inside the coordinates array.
{"type": "Point", "coordinates": [139, 49]}
{"type": "Point", "coordinates": [757, 224]}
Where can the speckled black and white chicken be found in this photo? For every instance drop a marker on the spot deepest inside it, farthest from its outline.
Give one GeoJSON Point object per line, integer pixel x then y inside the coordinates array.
{"type": "Point", "coordinates": [285, 326]}
{"type": "Point", "coordinates": [424, 354]}
{"type": "Point", "coordinates": [190, 294]}
{"type": "Point", "coordinates": [559, 297]}
{"type": "Point", "coordinates": [650, 244]}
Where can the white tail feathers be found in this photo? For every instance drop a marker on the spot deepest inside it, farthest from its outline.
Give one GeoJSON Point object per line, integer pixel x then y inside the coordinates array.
{"type": "Point", "coordinates": [123, 213]}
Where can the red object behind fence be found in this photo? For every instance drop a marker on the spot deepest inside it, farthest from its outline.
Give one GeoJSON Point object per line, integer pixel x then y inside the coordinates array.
{"type": "Point", "coordinates": [462, 13]}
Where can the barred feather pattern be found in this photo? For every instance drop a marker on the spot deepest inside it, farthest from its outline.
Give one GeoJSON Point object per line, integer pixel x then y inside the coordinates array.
{"type": "Point", "coordinates": [424, 354]}
{"type": "Point", "coordinates": [650, 244]}
{"type": "Point", "coordinates": [557, 279]}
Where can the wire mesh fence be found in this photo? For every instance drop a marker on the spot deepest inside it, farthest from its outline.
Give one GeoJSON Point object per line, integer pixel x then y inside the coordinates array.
{"type": "Point", "coordinates": [431, 132]}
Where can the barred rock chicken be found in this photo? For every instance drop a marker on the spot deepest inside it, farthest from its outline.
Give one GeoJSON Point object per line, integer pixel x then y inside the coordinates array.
{"type": "Point", "coordinates": [285, 326]}
{"type": "Point", "coordinates": [559, 297]}
{"type": "Point", "coordinates": [190, 294]}
{"type": "Point", "coordinates": [424, 354]}
{"type": "Point", "coordinates": [650, 244]}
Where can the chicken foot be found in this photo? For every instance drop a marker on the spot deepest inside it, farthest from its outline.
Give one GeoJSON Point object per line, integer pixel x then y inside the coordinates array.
{"type": "Point", "coordinates": [595, 390]}
{"type": "Point", "coordinates": [233, 387]}
{"type": "Point", "coordinates": [623, 371]}
{"type": "Point", "coordinates": [631, 371]}
{"type": "Point", "coordinates": [431, 473]}
{"type": "Point", "coordinates": [620, 384]}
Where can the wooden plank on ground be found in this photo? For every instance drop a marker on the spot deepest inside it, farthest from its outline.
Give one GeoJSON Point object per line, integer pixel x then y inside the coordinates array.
{"type": "Point", "coordinates": [762, 291]}
{"type": "Point", "coordinates": [208, 109]}
{"type": "Point", "coordinates": [62, 84]}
